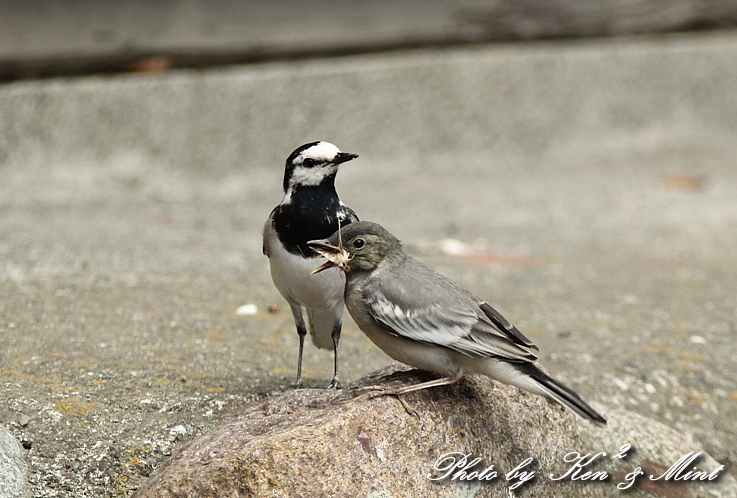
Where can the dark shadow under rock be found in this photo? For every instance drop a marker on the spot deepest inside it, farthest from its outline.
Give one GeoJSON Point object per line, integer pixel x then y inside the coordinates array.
{"type": "Point", "coordinates": [316, 442]}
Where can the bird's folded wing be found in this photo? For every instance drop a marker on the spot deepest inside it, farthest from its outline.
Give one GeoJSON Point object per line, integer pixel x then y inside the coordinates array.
{"type": "Point", "coordinates": [347, 215]}
{"type": "Point", "coordinates": [502, 324]}
{"type": "Point", "coordinates": [461, 328]}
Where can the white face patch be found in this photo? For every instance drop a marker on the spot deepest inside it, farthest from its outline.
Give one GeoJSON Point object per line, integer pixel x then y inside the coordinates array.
{"type": "Point", "coordinates": [311, 176]}
{"type": "Point", "coordinates": [320, 152]}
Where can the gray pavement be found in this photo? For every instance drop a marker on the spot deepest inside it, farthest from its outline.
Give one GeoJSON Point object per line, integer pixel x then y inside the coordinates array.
{"type": "Point", "coordinates": [592, 187]}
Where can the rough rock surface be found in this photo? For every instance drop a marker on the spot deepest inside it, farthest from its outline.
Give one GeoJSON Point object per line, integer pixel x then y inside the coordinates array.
{"type": "Point", "coordinates": [325, 443]}
{"type": "Point", "coordinates": [12, 467]}
{"type": "Point", "coordinates": [655, 447]}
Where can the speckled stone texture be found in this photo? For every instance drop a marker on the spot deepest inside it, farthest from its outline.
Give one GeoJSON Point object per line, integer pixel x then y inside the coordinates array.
{"type": "Point", "coordinates": [12, 467]}
{"type": "Point", "coordinates": [325, 443]}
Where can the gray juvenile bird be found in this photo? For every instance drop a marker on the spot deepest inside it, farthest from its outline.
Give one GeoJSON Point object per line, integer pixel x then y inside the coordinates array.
{"type": "Point", "coordinates": [423, 319]}
{"type": "Point", "coordinates": [310, 209]}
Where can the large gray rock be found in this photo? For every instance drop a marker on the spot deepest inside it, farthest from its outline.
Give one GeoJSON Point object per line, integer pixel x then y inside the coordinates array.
{"type": "Point", "coordinates": [656, 448]}
{"type": "Point", "coordinates": [12, 467]}
{"type": "Point", "coordinates": [322, 443]}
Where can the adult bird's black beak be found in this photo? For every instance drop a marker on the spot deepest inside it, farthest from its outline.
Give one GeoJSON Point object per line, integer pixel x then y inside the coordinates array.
{"type": "Point", "coordinates": [344, 157]}
{"type": "Point", "coordinates": [328, 251]}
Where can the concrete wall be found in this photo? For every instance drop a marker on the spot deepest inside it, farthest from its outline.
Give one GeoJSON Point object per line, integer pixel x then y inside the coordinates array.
{"type": "Point", "coordinates": [530, 100]}
{"type": "Point", "coordinates": [53, 37]}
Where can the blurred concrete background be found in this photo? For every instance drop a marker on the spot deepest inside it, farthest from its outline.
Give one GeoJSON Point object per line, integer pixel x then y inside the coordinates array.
{"type": "Point", "coordinates": [584, 187]}
{"type": "Point", "coordinates": [49, 37]}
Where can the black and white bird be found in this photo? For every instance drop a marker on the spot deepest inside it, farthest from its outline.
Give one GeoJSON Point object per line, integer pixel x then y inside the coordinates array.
{"type": "Point", "coordinates": [421, 318]}
{"type": "Point", "coordinates": [309, 210]}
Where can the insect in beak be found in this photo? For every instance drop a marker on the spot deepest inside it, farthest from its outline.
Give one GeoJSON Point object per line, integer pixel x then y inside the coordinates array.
{"type": "Point", "coordinates": [335, 255]}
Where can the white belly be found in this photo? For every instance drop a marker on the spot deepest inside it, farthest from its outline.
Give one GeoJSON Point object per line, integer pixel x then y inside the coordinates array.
{"type": "Point", "coordinates": [292, 276]}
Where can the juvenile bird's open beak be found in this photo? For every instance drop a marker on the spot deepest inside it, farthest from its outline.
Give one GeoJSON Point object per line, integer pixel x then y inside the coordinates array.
{"type": "Point", "coordinates": [344, 157]}
{"type": "Point", "coordinates": [336, 256]}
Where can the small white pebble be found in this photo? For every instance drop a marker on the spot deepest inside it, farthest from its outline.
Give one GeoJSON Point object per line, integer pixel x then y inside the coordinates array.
{"type": "Point", "coordinates": [380, 452]}
{"type": "Point", "coordinates": [650, 388]}
{"type": "Point", "coordinates": [698, 339]}
{"type": "Point", "coordinates": [247, 309]}
{"type": "Point", "coordinates": [453, 247]}
{"type": "Point", "coordinates": [55, 416]}
{"type": "Point", "coordinates": [178, 430]}
{"type": "Point", "coordinates": [621, 384]}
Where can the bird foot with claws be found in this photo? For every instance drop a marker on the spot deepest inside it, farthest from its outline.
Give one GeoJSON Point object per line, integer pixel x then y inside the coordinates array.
{"type": "Point", "coordinates": [371, 392]}
{"type": "Point", "coordinates": [335, 384]}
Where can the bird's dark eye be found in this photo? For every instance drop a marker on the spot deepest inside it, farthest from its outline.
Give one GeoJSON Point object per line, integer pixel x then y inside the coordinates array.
{"type": "Point", "coordinates": [309, 162]}
{"type": "Point", "coordinates": [358, 243]}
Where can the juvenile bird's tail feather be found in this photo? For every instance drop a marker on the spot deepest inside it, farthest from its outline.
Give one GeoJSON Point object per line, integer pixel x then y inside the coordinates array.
{"type": "Point", "coordinates": [563, 395]}
{"type": "Point", "coordinates": [320, 324]}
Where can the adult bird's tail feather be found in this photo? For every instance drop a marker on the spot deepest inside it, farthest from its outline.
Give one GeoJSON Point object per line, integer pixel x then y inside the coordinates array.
{"type": "Point", "coordinates": [320, 325]}
{"type": "Point", "coordinates": [563, 395]}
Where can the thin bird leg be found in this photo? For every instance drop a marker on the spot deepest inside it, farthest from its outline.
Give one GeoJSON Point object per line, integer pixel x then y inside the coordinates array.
{"type": "Point", "coordinates": [442, 381]}
{"type": "Point", "coordinates": [398, 391]}
{"type": "Point", "coordinates": [301, 332]}
{"type": "Point", "coordinates": [335, 383]}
